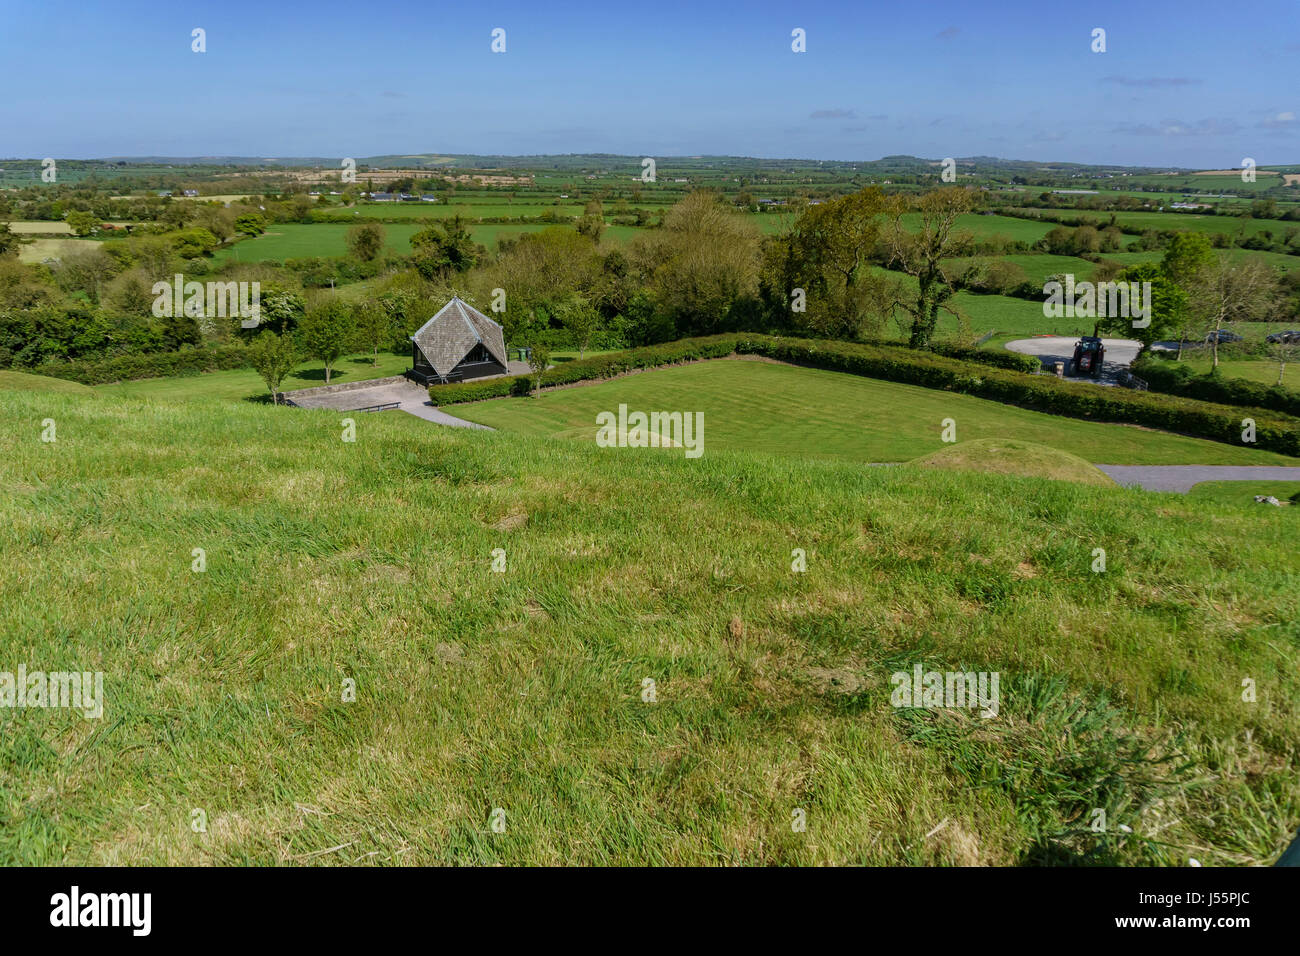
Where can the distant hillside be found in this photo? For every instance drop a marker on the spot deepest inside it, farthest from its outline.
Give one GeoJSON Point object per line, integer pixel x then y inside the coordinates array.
{"type": "Point", "coordinates": [984, 165]}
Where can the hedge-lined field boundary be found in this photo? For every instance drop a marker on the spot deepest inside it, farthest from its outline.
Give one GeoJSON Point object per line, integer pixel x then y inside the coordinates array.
{"type": "Point", "coordinates": [148, 365]}
{"type": "Point", "coordinates": [1045, 393]}
{"type": "Point", "coordinates": [1175, 378]}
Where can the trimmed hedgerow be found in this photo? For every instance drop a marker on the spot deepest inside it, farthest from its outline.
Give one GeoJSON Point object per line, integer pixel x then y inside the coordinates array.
{"type": "Point", "coordinates": [1175, 378]}
{"type": "Point", "coordinates": [148, 365]}
{"type": "Point", "coordinates": [582, 370]}
{"type": "Point", "coordinates": [1045, 393]}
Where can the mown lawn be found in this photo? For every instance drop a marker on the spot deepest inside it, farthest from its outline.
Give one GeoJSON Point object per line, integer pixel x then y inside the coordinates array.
{"type": "Point", "coordinates": [244, 383]}
{"type": "Point", "coordinates": [1243, 493]}
{"type": "Point", "coordinates": [226, 737]}
{"type": "Point", "coordinates": [779, 409]}
{"type": "Point", "coordinates": [1256, 370]}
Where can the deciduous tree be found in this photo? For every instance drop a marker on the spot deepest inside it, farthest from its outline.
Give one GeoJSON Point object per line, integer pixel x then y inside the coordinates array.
{"type": "Point", "coordinates": [273, 357]}
{"type": "Point", "coordinates": [920, 254]}
{"type": "Point", "coordinates": [325, 332]}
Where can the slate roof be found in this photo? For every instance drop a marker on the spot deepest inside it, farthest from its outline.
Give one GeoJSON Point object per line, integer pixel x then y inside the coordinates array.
{"type": "Point", "coordinates": [451, 334]}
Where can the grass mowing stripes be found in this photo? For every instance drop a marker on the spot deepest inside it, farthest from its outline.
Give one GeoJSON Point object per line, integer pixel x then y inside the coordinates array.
{"type": "Point", "coordinates": [781, 409]}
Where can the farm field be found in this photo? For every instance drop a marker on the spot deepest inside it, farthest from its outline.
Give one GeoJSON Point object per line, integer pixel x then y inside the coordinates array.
{"type": "Point", "coordinates": [1276, 259]}
{"type": "Point", "coordinates": [1010, 318]}
{"type": "Point", "coordinates": [38, 250]}
{"type": "Point", "coordinates": [1187, 222]}
{"type": "Point", "coordinates": [370, 561]}
{"type": "Point", "coordinates": [1037, 266]}
{"type": "Point", "coordinates": [983, 227]}
{"type": "Point", "coordinates": [776, 409]}
{"type": "Point", "coordinates": [216, 197]}
{"type": "Point", "coordinates": [1256, 370]}
{"type": "Point", "coordinates": [1210, 181]}
{"type": "Point", "coordinates": [302, 240]}
{"type": "Point", "coordinates": [446, 210]}
{"type": "Point", "coordinates": [41, 227]}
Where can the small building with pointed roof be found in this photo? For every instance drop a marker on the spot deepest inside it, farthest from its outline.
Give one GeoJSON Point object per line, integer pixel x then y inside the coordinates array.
{"type": "Point", "coordinates": [458, 343]}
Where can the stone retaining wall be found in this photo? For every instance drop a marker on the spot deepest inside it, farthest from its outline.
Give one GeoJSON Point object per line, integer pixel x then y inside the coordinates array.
{"type": "Point", "coordinates": [345, 387]}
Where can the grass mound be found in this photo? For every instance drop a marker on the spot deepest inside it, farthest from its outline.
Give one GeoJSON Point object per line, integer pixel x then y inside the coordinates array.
{"type": "Point", "coordinates": [355, 652]}
{"type": "Point", "coordinates": [24, 381]}
{"type": "Point", "coordinates": [1006, 456]}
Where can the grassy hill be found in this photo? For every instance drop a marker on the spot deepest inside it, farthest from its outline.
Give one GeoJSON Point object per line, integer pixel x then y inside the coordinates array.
{"type": "Point", "coordinates": [523, 690]}
{"type": "Point", "coordinates": [1011, 457]}
{"type": "Point", "coordinates": [23, 381]}
{"type": "Point", "coordinates": [779, 409]}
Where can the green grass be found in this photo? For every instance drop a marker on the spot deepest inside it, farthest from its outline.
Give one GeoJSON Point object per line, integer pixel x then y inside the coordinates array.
{"type": "Point", "coordinates": [1037, 267]}
{"type": "Point", "coordinates": [1012, 457]}
{"type": "Point", "coordinates": [38, 250]}
{"type": "Point", "coordinates": [1187, 222]}
{"type": "Point", "coordinates": [984, 227]}
{"type": "Point", "coordinates": [1244, 492]}
{"type": "Point", "coordinates": [444, 210]}
{"type": "Point", "coordinates": [1256, 370]}
{"type": "Point", "coordinates": [324, 239]}
{"type": "Point", "coordinates": [302, 240]}
{"type": "Point", "coordinates": [370, 561]}
{"type": "Point", "coordinates": [40, 383]}
{"type": "Point", "coordinates": [1011, 318]}
{"type": "Point", "coordinates": [244, 383]}
{"type": "Point", "coordinates": [778, 409]}
{"type": "Point", "coordinates": [1277, 259]}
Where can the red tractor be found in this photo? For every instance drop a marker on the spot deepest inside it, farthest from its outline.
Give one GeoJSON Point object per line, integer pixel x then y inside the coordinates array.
{"type": "Point", "coordinates": [1089, 356]}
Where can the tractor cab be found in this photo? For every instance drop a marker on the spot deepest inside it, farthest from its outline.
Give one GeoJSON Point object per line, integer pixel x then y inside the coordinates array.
{"type": "Point", "coordinates": [1089, 355]}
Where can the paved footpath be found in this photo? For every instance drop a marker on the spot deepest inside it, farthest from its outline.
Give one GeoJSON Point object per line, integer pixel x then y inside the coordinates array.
{"type": "Point", "coordinates": [1180, 478]}
{"type": "Point", "coordinates": [413, 400]}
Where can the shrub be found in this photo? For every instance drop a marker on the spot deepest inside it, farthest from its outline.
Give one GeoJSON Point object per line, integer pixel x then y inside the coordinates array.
{"type": "Point", "coordinates": [1175, 378]}
{"type": "Point", "coordinates": [149, 365]}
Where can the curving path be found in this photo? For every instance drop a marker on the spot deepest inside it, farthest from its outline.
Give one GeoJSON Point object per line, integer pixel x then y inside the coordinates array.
{"type": "Point", "coordinates": [411, 398]}
{"type": "Point", "coordinates": [1180, 478]}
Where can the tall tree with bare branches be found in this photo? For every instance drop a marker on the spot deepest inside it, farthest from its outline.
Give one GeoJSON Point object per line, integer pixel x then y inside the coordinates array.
{"type": "Point", "coordinates": [1228, 292]}
{"type": "Point", "coordinates": [920, 254]}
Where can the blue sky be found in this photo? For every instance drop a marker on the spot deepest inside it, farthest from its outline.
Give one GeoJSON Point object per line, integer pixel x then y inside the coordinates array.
{"type": "Point", "coordinates": [1181, 83]}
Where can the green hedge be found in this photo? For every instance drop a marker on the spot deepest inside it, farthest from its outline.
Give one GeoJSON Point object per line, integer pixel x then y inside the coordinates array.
{"type": "Point", "coordinates": [1016, 361]}
{"type": "Point", "coordinates": [148, 365]}
{"type": "Point", "coordinates": [1045, 393]}
{"type": "Point", "coordinates": [1175, 378]}
{"type": "Point", "coordinates": [595, 367]}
